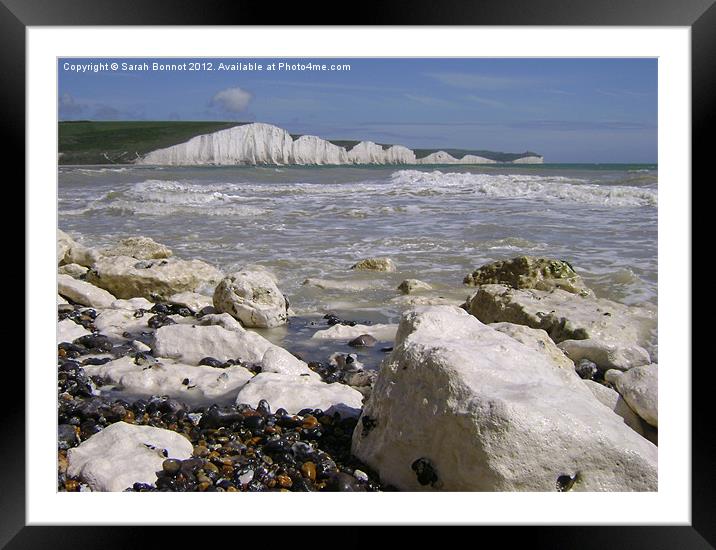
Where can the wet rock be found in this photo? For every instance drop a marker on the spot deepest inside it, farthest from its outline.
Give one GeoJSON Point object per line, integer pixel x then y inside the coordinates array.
{"type": "Point", "coordinates": [253, 298]}
{"type": "Point", "coordinates": [154, 280]}
{"type": "Point", "coordinates": [491, 415]}
{"type": "Point", "coordinates": [84, 293]}
{"type": "Point", "coordinates": [363, 341]}
{"type": "Point", "coordinates": [123, 454]}
{"type": "Point", "coordinates": [527, 272]}
{"type": "Point", "coordinates": [375, 264]}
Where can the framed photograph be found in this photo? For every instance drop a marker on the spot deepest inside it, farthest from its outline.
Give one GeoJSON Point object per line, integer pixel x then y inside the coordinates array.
{"type": "Point", "coordinates": [436, 262]}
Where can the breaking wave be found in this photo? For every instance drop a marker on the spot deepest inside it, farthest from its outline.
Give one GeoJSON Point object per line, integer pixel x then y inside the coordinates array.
{"type": "Point", "coordinates": [549, 188]}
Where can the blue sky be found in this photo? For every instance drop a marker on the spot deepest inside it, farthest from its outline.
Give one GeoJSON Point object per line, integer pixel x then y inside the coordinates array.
{"type": "Point", "coordinates": [569, 110]}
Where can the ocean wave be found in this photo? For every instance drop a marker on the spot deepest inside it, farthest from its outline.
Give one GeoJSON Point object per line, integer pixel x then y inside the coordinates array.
{"type": "Point", "coordinates": [548, 188]}
{"type": "Point", "coordinates": [166, 198]}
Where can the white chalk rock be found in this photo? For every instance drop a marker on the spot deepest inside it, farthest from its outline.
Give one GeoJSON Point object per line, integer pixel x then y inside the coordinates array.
{"type": "Point", "coordinates": [294, 393]}
{"type": "Point", "coordinates": [73, 270]}
{"type": "Point", "coordinates": [127, 277]}
{"type": "Point", "coordinates": [606, 355]}
{"type": "Point", "coordinates": [124, 454]}
{"type": "Point", "coordinates": [223, 320]}
{"type": "Point", "coordinates": [640, 389]}
{"type": "Point", "coordinates": [192, 300]}
{"type": "Point", "coordinates": [141, 248]}
{"type": "Point", "coordinates": [381, 332]}
{"type": "Point", "coordinates": [616, 403]}
{"type": "Point", "coordinates": [113, 323]}
{"type": "Point", "coordinates": [69, 331]}
{"type": "Point", "coordinates": [189, 344]}
{"type": "Point", "coordinates": [61, 300]}
{"type": "Point", "coordinates": [538, 340]}
{"type": "Point", "coordinates": [566, 316]}
{"type": "Point", "coordinates": [439, 157]}
{"type": "Point", "coordinates": [253, 298]}
{"type": "Point", "coordinates": [84, 293]}
{"type": "Point", "coordinates": [204, 385]}
{"type": "Point", "coordinates": [133, 304]}
{"type": "Point", "coordinates": [459, 406]}
{"type": "Point", "coordinates": [70, 251]}
{"type": "Point", "coordinates": [375, 264]}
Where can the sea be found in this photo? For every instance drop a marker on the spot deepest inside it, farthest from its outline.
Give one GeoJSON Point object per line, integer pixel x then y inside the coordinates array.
{"type": "Point", "coordinates": [437, 223]}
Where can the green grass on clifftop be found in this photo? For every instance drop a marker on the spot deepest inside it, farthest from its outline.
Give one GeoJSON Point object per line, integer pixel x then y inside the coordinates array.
{"type": "Point", "coordinates": [99, 142]}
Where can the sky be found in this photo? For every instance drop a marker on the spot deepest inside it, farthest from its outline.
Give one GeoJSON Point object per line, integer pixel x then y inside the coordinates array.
{"type": "Point", "coordinates": [568, 110]}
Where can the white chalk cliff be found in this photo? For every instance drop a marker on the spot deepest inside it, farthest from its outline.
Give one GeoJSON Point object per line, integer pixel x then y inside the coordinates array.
{"type": "Point", "coordinates": [260, 143]}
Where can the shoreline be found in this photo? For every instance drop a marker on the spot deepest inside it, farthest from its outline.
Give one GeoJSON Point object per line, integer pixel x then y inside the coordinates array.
{"type": "Point", "coordinates": [140, 318]}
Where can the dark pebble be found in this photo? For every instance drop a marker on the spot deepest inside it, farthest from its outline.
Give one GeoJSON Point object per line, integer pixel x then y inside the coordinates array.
{"type": "Point", "coordinates": [363, 341]}
{"type": "Point", "coordinates": [171, 466]}
{"type": "Point", "coordinates": [211, 362]}
{"type": "Point", "coordinates": [586, 369]}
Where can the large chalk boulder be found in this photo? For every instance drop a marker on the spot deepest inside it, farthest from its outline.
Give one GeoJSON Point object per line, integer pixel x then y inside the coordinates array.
{"type": "Point", "coordinates": [640, 388]}
{"type": "Point", "coordinates": [294, 393]}
{"type": "Point", "coordinates": [200, 385]}
{"type": "Point", "coordinates": [141, 248]}
{"type": "Point", "coordinates": [124, 454]}
{"type": "Point", "coordinates": [530, 272]}
{"type": "Point", "coordinates": [253, 298]}
{"type": "Point", "coordinates": [82, 292]}
{"type": "Point", "coordinates": [624, 330]}
{"type": "Point", "coordinates": [459, 406]}
{"type": "Point", "coordinates": [189, 344]}
{"type": "Point", "coordinates": [156, 280]}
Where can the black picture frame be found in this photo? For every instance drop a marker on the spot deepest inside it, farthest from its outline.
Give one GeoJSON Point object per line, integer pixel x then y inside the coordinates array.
{"type": "Point", "coordinates": [699, 15]}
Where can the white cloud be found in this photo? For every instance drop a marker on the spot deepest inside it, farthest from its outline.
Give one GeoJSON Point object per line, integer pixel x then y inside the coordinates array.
{"type": "Point", "coordinates": [233, 100]}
